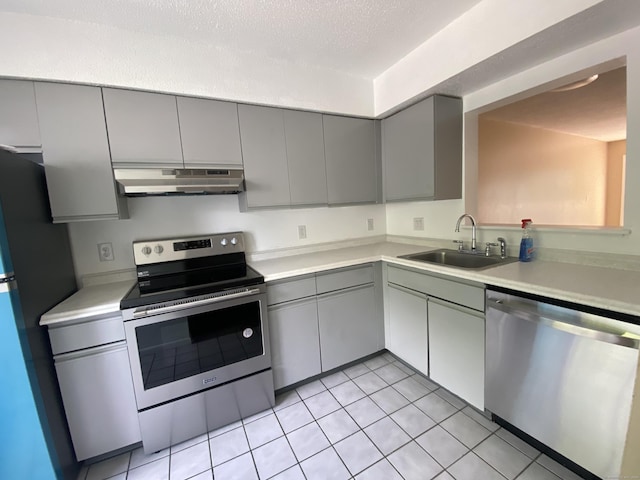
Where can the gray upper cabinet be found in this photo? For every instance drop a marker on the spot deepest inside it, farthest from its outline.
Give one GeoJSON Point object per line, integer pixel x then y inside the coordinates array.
{"type": "Point", "coordinates": [209, 132]}
{"type": "Point", "coordinates": [422, 151]}
{"type": "Point", "coordinates": [265, 156]}
{"type": "Point", "coordinates": [305, 158]}
{"type": "Point", "coordinates": [143, 128]}
{"type": "Point", "coordinates": [18, 115]}
{"type": "Point", "coordinates": [76, 153]}
{"type": "Point", "coordinates": [352, 169]}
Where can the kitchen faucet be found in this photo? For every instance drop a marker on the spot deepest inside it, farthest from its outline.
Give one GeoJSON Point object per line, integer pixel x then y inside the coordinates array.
{"type": "Point", "coordinates": [473, 229]}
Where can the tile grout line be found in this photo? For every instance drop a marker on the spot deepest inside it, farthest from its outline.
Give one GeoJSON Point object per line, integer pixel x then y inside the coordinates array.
{"type": "Point", "coordinates": [288, 443]}
{"type": "Point", "coordinates": [513, 446]}
{"type": "Point", "coordinates": [342, 407]}
{"type": "Point", "coordinates": [388, 415]}
{"type": "Point", "coordinates": [415, 376]}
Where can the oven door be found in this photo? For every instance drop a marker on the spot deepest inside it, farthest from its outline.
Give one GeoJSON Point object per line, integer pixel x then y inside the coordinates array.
{"type": "Point", "coordinates": [196, 344]}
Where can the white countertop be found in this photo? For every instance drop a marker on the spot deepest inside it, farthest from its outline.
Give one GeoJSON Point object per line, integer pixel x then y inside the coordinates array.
{"type": "Point", "coordinates": [607, 288]}
{"type": "Point", "coordinates": [91, 301]}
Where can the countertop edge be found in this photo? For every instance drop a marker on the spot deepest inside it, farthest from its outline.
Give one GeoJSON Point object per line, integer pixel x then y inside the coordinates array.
{"type": "Point", "coordinates": [98, 301]}
{"type": "Point", "coordinates": [486, 277]}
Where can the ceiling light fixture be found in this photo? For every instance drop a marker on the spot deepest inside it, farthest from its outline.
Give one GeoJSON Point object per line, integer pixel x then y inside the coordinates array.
{"type": "Point", "coordinates": [578, 84]}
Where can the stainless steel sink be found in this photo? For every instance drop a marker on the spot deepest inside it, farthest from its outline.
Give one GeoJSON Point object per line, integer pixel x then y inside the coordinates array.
{"type": "Point", "coordinates": [454, 258]}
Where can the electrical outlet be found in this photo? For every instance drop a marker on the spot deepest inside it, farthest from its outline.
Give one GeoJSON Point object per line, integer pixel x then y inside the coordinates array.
{"type": "Point", "coordinates": [418, 223]}
{"type": "Point", "coordinates": [302, 232]}
{"type": "Point", "coordinates": [105, 252]}
{"type": "Point", "coordinates": [369, 224]}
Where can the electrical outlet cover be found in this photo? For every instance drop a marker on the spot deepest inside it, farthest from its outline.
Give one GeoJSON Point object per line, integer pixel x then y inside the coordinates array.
{"type": "Point", "coordinates": [302, 232]}
{"type": "Point", "coordinates": [369, 224]}
{"type": "Point", "coordinates": [418, 223]}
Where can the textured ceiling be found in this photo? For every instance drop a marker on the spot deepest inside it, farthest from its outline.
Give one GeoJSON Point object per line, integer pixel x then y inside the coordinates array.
{"type": "Point", "coordinates": [598, 110]}
{"type": "Point", "coordinates": [360, 37]}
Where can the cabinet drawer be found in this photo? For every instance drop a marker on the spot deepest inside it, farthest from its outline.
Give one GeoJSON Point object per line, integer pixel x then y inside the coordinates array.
{"type": "Point", "coordinates": [344, 278]}
{"type": "Point", "coordinates": [287, 290]}
{"type": "Point", "coordinates": [461, 293]}
{"type": "Point", "coordinates": [88, 334]}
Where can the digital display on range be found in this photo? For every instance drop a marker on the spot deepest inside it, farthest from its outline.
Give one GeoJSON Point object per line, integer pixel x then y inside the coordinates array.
{"type": "Point", "coordinates": [192, 244]}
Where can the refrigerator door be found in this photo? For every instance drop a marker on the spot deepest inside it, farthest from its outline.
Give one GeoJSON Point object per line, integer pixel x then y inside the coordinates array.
{"type": "Point", "coordinates": [39, 254]}
{"type": "Point", "coordinates": [6, 267]}
{"type": "Point", "coordinates": [23, 448]}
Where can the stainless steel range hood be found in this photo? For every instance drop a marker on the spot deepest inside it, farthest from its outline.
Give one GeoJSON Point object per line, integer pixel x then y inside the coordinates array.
{"type": "Point", "coordinates": [170, 181]}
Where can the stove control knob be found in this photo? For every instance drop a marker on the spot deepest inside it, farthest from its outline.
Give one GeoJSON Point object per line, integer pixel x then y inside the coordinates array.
{"type": "Point", "coordinates": [158, 249]}
{"type": "Point", "coordinates": [234, 241]}
{"type": "Point", "coordinates": [146, 250]}
{"type": "Point", "coordinates": [223, 242]}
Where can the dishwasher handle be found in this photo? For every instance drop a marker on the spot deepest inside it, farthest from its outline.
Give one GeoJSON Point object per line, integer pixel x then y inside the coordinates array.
{"type": "Point", "coordinates": [524, 312]}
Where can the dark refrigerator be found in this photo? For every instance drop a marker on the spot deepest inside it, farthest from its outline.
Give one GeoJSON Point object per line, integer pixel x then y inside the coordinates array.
{"type": "Point", "coordinates": [36, 273]}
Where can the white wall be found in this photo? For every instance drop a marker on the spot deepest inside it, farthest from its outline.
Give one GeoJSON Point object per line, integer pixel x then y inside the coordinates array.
{"type": "Point", "coordinates": [442, 215]}
{"type": "Point", "coordinates": [482, 32]}
{"type": "Point", "coordinates": [54, 49]}
{"type": "Point", "coordinates": [166, 217]}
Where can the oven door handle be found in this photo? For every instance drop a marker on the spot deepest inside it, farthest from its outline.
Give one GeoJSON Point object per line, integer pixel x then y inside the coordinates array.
{"type": "Point", "coordinates": [147, 312]}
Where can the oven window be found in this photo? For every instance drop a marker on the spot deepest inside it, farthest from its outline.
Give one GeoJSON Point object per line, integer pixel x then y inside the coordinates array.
{"type": "Point", "coordinates": [194, 344]}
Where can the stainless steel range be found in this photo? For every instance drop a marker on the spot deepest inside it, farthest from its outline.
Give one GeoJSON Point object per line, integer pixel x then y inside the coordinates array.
{"type": "Point", "coordinates": [198, 337]}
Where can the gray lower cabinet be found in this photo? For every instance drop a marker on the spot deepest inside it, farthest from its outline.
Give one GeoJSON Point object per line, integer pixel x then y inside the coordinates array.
{"type": "Point", "coordinates": [94, 374]}
{"type": "Point", "coordinates": [265, 156]}
{"type": "Point", "coordinates": [18, 115]}
{"type": "Point", "coordinates": [143, 128]}
{"type": "Point", "coordinates": [456, 341]}
{"type": "Point", "coordinates": [352, 166]}
{"type": "Point", "coordinates": [295, 349]}
{"type": "Point", "coordinates": [76, 154]}
{"type": "Point", "coordinates": [305, 158]}
{"type": "Point", "coordinates": [209, 132]}
{"type": "Point", "coordinates": [348, 326]}
{"type": "Point", "coordinates": [436, 324]}
{"type": "Point", "coordinates": [422, 151]}
{"type": "Point", "coordinates": [323, 321]}
{"type": "Point", "coordinates": [98, 398]}
{"type": "Point", "coordinates": [408, 335]}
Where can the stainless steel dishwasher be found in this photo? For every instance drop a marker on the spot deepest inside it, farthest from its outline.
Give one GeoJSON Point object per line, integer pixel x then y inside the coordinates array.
{"type": "Point", "coordinates": [563, 376]}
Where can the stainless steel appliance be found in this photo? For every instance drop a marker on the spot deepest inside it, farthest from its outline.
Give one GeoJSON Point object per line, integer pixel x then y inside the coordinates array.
{"type": "Point", "coordinates": [36, 273]}
{"type": "Point", "coordinates": [198, 337]}
{"type": "Point", "coordinates": [563, 376]}
{"type": "Point", "coordinates": [135, 182]}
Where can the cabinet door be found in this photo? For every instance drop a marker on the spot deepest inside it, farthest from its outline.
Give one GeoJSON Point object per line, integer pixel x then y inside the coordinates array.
{"type": "Point", "coordinates": [295, 347]}
{"type": "Point", "coordinates": [408, 328]}
{"type": "Point", "coordinates": [349, 326]}
{"type": "Point", "coordinates": [18, 115]}
{"type": "Point", "coordinates": [76, 153]}
{"type": "Point", "coordinates": [143, 128]}
{"type": "Point", "coordinates": [456, 348]}
{"type": "Point", "coordinates": [407, 145]}
{"type": "Point", "coordinates": [352, 170]}
{"type": "Point", "coordinates": [448, 147]}
{"type": "Point", "coordinates": [209, 132]}
{"type": "Point", "coordinates": [98, 398]}
{"type": "Point", "coordinates": [305, 157]}
{"type": "Point", "coordinates": [265, 156]}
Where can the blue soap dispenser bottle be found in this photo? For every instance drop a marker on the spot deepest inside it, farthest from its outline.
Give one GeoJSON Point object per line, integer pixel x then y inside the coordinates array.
{"type": "Point", "coordinates": [526, 244]}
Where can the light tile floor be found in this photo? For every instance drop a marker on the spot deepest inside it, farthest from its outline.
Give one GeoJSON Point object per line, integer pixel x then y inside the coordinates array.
{"type": "Point", "coordinates": [375, 420]}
